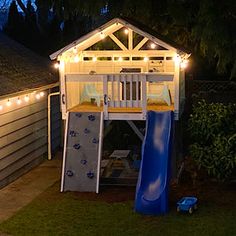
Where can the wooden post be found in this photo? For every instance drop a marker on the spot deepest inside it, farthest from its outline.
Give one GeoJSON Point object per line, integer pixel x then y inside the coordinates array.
{"type": "Point", "coordinates": [144, 96]}
{"type": "Point", "coordinates": [176, 82]}
{"type": "Point", "coordinates": [105, 93]}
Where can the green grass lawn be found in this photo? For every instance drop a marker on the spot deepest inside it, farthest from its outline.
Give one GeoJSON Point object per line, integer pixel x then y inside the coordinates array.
{"type": "Point", "coordinates": [54, 213]}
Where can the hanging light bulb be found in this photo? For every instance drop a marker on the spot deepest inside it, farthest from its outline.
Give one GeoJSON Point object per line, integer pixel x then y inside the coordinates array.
{"type": "Point", "coordinates": [126, 31]}
{"type": "Point", "coordinates": [74, 50]}
{"type": "Point", "coordinates": [184, 64]}
{"type": "Point", "coordinates": [177, 59]}
{"type": "Point", "coordinates": [76, 59]}
{"type": "Point", "coordinates": [26, 98]}
{"type": "Point", "coordinates": [145, 59]}
{"type": "Point", "coordinates": [120, 59]}
{"type": "Point", "coordinates": [8, 103]}
{"type": "Point", "coordinates": [94, 59]}
{"type": "Point", "coordinates": [37, 96]}
{"type": "Point", "coordinates": [153, 45]}
{"type": "Point", "coordinates": [1, 107]}
{"type": "Point", "coordinates": [102, 35]}
{"type": "Point", "coordinates": [18, 101]}
{"type": "Point", "coordinates": [57, 65]}
{"type": "Point", "coordinates": [42, 94]}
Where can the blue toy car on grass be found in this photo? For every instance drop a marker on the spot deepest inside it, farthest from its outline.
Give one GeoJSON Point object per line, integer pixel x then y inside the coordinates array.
{"type": "Point", "coordinates": [187, 204]}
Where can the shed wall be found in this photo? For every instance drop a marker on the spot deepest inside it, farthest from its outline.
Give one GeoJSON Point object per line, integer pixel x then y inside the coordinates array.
{"type": "Point", "coordinates": [23, 136]}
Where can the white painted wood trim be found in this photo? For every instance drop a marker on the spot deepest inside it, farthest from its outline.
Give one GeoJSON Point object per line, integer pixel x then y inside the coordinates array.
{"type": "Point", "coordinates": [64, 153]}
{"type": "Point", "coordinates": [100, 151]}
{"type": "Point", "coordinates": [176, 84]}
{"type": "Point", "coordinates": [143, 41]}
{"type": "Point", "coordinates": [118, 42]}
{"type": "Point", "coordinates": [130, 39]}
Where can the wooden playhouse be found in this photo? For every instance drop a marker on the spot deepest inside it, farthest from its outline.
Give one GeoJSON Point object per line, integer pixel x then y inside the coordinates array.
{"type": "Point", "coordinates": [120, 71]}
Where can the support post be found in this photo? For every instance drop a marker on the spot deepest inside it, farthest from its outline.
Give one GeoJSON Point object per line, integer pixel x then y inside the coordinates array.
{"type": "Point", "coordinates": [105, 93]}
{"type": "Point", "coordinates": [144, 95]}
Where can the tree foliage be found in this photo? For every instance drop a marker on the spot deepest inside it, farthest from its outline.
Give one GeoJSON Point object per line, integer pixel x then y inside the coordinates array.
{"type": "Point", "coordinates": [206, 27]}
{"type": "Point", "coordinates": [213, 131]}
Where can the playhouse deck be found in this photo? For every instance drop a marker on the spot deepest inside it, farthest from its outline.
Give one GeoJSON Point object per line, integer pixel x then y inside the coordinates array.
{"type": "Point", "coordinates": [88, 107]}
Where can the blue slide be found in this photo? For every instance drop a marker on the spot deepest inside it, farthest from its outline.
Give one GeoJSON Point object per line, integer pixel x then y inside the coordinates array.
{"type": "Point", "coordinates": [153, 182]}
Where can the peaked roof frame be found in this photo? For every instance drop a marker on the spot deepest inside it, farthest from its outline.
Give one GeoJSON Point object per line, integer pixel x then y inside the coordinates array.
{"type": "Point", "coordinates": [108, 29]}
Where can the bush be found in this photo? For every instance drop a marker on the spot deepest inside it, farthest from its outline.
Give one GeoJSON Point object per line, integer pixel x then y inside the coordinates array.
{"type": "Point", "coordinates": [213, 132]}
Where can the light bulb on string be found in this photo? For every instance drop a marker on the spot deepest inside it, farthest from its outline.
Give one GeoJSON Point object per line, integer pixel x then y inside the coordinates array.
{"type": "Point", "coordinates": [8, 103]}
{"type": "Point", "coordinates": [57, 65]}
{"type": "Point", "coordinates": [152, 45]}
{"type": "Point", "coordinates": [76, 59]}
{"type": "Point", "coordinates": [42, 94]}
{"type": "Point", "coordinates": [26, 98]}
{"type": "Point", "coordinates": [18, 101]}
{"type": "Point", "coordinates": [37, 96]}
{"type": "Point", "coordinates": [74, 50]}
{"type": "Point", "coordinates": [102, 35]}
{"type": "Point", "coordinates": [145, 59]}
{"type": "Point", "coordinates": [126, 31]}
{"type": "Point", "coordinates": [177, 59]}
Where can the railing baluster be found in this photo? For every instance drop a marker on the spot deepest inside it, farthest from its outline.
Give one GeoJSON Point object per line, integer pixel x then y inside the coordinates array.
{"type": "Point", "coordinates": [112, 91]}
{"type": "Point", "coordinates": [137, 90]}
{"type": "Point", "coordinates": [131, 90]}
{"type": "Point", "coordinates": [118, 90]}
{"type": "Point", "coordinates": [124, 91]}
{"type": "Point", "coordinates": [144, 95]}
{"type": "Point", "coordinates": [105, 92]}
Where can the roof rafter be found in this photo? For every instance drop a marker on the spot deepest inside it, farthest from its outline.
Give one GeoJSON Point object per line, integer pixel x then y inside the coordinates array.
{"type": "Point", "coordinates": [141, 43]}
{"type": "Point", "coordinates": [118, 42]}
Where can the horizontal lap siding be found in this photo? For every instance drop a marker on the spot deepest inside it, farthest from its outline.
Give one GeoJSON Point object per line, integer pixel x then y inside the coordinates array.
{"type": "Point", "coordinates": [23, 137]}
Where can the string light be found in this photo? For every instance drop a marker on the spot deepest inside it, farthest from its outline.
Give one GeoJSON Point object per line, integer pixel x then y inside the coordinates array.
{"type": "Point", "coordinates": [120, 59]}
{"type": "Point", "coordinates": [18, 101]}
{"type": "Point", "coordinates": [153, 45]}
{"type": "Point", "coordinates": [102, 35]}
{"type": "Point", "coordinates": [145, 59]}
{"type": "Point", "coordinates": [184, 64]}
{"type": "Point", "coordinates": [94, 59]}
{"type": "Point", "coordinates": [57, 65]}
{"type": "Point", "coordinates": [74, 50]}
{"type": "Point", "coordinates": [76, 59]}
{"type": "Point", "coordinates": [177, 59]}
{"type": "Point", "coordinates": [8, 103]}
{"type": "Point", "coordinates": [26, 98]}
{"type": "Point", "coordinates": [126, 31]}
{"type": "Point", "coordinates": [37, 96]}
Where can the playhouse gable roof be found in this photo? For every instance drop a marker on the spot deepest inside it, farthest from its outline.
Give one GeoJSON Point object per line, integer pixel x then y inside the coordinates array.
{"type": "Point", "coordinates": [115, 24]}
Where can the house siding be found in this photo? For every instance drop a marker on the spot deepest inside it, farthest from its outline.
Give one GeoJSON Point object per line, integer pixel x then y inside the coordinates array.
{"type": "Point", "coordinates": [23, 137]}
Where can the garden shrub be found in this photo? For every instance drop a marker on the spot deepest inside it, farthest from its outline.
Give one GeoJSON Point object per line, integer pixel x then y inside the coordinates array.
{"type": "Point", "coordinates": [213, 132]}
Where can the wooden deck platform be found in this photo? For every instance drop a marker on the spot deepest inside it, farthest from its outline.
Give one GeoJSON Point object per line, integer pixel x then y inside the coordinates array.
{"type": "Point", "coordinates": [88, 107]}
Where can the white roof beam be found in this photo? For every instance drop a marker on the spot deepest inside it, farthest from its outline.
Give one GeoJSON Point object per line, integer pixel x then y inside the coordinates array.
{"type": "Point", "coordinates": [118, 42]}
{"type": "Point", "coordinates": [141, 44]}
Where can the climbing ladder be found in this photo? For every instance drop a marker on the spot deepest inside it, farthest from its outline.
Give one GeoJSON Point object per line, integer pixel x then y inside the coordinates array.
{"type": "Point", "coordinates": [82, 152]}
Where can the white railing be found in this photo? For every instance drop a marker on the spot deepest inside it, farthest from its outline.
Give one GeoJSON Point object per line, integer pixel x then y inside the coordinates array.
{"type": "Point", "coordinates": [125, 91]}
{"type": "Point", "coordinates": [119, 91]}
